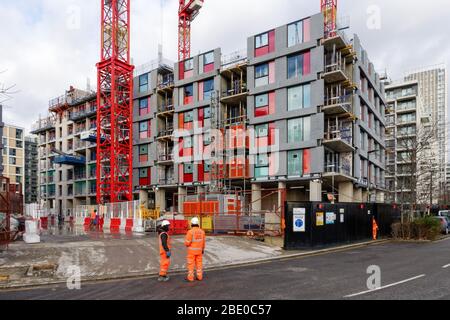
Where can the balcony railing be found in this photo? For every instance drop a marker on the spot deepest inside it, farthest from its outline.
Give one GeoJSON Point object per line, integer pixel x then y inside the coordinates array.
{"type": "Point", "coordinates": [165, 132]}
{"type": "Point", "coordinates": [339, 133]}
{"type": "Point", "coordinates": [166, 81]}
{"type": "Point", "coordinates": [166, 157]}
{"type": "Point", "coordinates": [166, 107]}
{"type": "Point", "coordinates": [167, 181]}
{"type": "Point", "coordinates": [80, 176]}
{"type": "Point", "coordinates": [345, 101]}
{"type": "Point", "coordinates": [337, 168]}
{"type": "Point", "coordinates": [239, 87]}
{"type": "Point", "coordinates": [75, 116]}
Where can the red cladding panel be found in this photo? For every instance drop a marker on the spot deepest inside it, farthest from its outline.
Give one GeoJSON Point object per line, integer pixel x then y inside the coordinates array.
{"type": "Point", "coordinates": [306, 161]}
{"type": "Point", "coordinates": [208, 68]}
{"type": "Point", "coordinates": [261, 111]}
{"type": "Point", "coordinates": [271, 102]}
{"type": "Point", "coordinates": [200, 172]}
{"type": "Point", "coordinates": [307, 30]}
{"type": "Point", "coordinates": [307, 63]}
{"type": "Point", "coordinates": [272, 41]}
{"type": "Point", "coordinates": [181, 70]}
{"type": "Point", "coordinates": [261, 51]}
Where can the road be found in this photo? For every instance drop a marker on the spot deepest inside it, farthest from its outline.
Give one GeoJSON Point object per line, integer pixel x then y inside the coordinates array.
{"type": "Point", "coordinates": [408, 271]}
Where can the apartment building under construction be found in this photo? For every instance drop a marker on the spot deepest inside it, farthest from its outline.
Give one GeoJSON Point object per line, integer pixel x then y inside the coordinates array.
{"type": "Point", "coordinates": [299, 115]}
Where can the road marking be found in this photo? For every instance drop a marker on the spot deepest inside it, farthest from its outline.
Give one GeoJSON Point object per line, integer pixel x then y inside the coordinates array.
{"type": "Point", "coordinates": [446, 266]}
{"type": "Point", "coordinates": [384, 287]}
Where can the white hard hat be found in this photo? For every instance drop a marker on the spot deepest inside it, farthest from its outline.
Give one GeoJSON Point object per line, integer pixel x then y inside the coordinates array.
{"type": "Point", "coordinates": [195, 221]}
{"type": "Point", "coordinates": [165, 223]}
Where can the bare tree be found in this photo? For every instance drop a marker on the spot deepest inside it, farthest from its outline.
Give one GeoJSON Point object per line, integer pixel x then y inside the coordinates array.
{"type": "Point", "coordinates": [6, 91]}
{"type": "Point", "coordinates": [417, 166]}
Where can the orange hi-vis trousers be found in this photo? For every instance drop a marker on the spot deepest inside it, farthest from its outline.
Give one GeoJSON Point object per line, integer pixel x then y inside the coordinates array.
{"type": "Point", "coordinates": [164, 265]}
{"type": "Point", "coordinates": [195, 261]}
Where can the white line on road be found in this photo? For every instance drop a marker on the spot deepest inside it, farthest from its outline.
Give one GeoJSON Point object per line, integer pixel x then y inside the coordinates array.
{"type": "Point", "coordinates": [384, 287]}
{"type": "Point", "coordinates": [446, 266]}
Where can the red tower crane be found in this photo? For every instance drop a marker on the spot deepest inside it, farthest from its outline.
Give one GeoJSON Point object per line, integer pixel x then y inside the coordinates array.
{"type": "Point", "coordinates": [114, 105]}
{"type": "Point", "coordinates": [329, 10]}
{"type": "Point", "coordinates": [189, 9]}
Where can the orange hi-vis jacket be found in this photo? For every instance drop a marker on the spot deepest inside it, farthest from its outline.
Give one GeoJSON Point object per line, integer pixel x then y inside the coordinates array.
{"type": "Point", "coordinates": [162, 250]}
{"type": "Point", "coordinates": [195, 241]}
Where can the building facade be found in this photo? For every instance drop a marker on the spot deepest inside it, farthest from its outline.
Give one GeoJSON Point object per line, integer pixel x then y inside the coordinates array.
{"type": "Point", "coordinates": [31, 170]}
{"type": "Point", "coordinates": [67, 152]}
{"type": "Point", "coordinates": [13, 141]}
{"type": "Point", "coordinates": [410, 147]}
{"type": "Point", "coordinates": [299, 111]}
{"type": "Point", "coordinates": [433, 91]}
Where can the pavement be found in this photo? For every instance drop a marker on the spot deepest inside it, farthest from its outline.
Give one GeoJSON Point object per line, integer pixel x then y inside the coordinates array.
{"type": "Point", "coordinates": [409, 270]}
{"type": "Point", "coordinates": [109, 256]}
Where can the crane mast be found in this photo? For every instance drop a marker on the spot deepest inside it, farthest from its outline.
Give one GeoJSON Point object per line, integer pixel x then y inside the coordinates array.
{"type": "Point", "coordinates": [329, 10]}
{"type": "Point", "coordinates": [187, 12]}
{"type": "Point", "coordinates": [114, 105]}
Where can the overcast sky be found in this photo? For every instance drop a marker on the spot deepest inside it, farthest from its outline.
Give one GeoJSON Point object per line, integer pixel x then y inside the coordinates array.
{"type": "Point", "coordinates": [48, 45]}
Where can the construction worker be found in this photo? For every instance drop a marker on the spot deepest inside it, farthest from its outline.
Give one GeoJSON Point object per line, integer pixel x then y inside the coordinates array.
{"type": "Point", "coordinates": [374, 228]}
{"type": "Point", "coordinates": [93, 218]}
{"type": "Point", "coordinates": [195, 243]}
{"type": "Point", "coordinates": [164, 250]}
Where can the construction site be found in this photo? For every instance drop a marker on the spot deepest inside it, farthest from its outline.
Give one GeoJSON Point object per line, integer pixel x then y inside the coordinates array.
{"type": "Point", "coordinates": [229, 138]}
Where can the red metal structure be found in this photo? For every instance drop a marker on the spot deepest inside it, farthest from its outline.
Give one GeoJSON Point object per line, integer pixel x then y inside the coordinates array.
{"type": "Point", "coordinates": [114, 103]}
{"type": "Point", "coordinates": [329, 10]}
{"type": "Point", "coordinates": [187, 12]}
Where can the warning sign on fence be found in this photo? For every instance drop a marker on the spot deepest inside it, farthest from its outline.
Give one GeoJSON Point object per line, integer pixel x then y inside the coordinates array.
{"type": "Point", "coordinates": [299, 219]}
{"type": "Point", "coordinates": [319, 219]}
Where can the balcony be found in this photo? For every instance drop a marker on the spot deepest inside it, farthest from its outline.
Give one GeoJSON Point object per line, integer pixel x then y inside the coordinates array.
{"type": "Point", "coordinates": [338, 172]}
{"type": "Point", "coordinates": [165, 134]}
{"type": "Point", "coordinates": [335, 69]}
{"type": "Point", "coordinates": [338, 105]}
{"type": "Point", "coordinates": [76, 116]}
{"type": "Point", "coordinates": [166, 108]}
{"type": "Point", "coordinates": [166, 158]}
{"type": "Point", "coordinates": [339, 139]}
{"type": "Point", "coordinates": [167, 181]}
{"type": "Point", "coordinates": [80, 176]}
{"type": "Point", "coordinates": [235, 93]}
{"type": "Point", "coordinates": [166, 83]}
{"type": "Point", "coordinates": [80, 192]}
{"type": "Point", "coordinates": [43, 125]}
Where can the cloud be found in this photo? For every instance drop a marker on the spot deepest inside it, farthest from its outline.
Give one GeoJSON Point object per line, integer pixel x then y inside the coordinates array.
{"type": "Point", "coordinates": [48, 45]}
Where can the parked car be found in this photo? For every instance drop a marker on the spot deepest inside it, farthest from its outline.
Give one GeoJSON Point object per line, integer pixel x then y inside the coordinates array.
{"type": "Point", "coordinates": [444, 213]}
{"type": "Point", "coordinates": [445, 225]}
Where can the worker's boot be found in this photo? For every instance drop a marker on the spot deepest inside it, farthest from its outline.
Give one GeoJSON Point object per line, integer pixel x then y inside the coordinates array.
{"type": "Point", "coordinates": [163, 278]}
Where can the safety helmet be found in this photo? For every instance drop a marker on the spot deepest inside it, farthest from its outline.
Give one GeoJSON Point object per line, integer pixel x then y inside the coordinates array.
{"type": "Point", "coordinates": [195, 221]}
{"type": "Point", "coordinates": [165, 223]}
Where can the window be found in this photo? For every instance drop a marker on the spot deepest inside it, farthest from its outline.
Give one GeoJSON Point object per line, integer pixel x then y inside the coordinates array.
{"type": "Point", "coordinates": [262, 40]}
{"type": "Point", "coordinates": [144, 176]}
{"type": "Point", "coordinates": [299, 65]}
{"type": "Point", "coordinates": [187, 142]}
{"type": "Point", "coordinates": [264, 104]}
{"type": "Point", "coordinates": [143, 107]}
{"type": "Point", "coordinates": [298, 32]}
{"type": "Point", "coordinates": [189, 65]}
{"type": "Point", "coordinates": [17, 170]}
{"type": "Point", "coordinates": [188, 116]}
{"type": "Point", "coordinates": [19, 144]}
{"type": "Point", "coordinates": [207, 113]}
{"type": "Point", "coordinates": [208, 89]}
{"type": "Point", "coordinates": [12, 152]}
{"type": "Point", "coordinates": [262, 130]}
{"type": "Point", "coordinates": [143, 83]}
{"type": "Point", "coordinates": [188, 168]}
{"type": "Point", "coordinates": [12, 160]}
{"type": "Point", "coordinates": [144, 129]}
{"type": "Point", "coordinates": [299, 129]}
{"type": "Point", "coordinates": [188, 92]}
{"type": "Point", "coordinates": [206, 139]}
{"type": "Point", "coordinates": [295, 163]}
{"type": "Point", "coordinates": [208, 58]}
{"type": "Point", "coordinates": [262, 100]}
{"type": "Point", "coordinates": [262, 75]}
{"type": "Point", "coordinates": [299, 97]}
{"type": "Point", "coordinates": [19, 133]}
{"type": "Point", "coordinates": [262, 165]}
{"type": "Point", "coordinates": [207, 166]}
{"type": "Point", "coordinates": [143, 153]}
